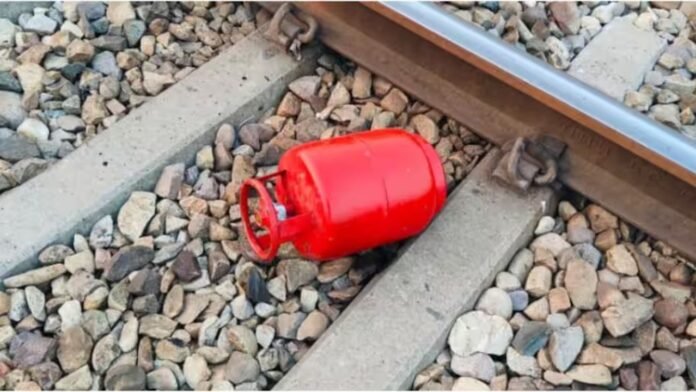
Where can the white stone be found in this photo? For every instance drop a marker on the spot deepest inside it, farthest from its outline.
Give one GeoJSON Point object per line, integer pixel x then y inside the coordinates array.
{"type": "Point", "coordinates": [627, 315]}
{"type": "Point", "coordinates": [469, 384]}
{"type": "Point", "coordinates": [564, 346]}
{"type": "Point", "coordinates": [522, 364]}
{"type": "Point", "coordinates": [33, 129]}
{"type": "Point", "coordinates": [135, 214]}
{"type": "Point", "coordinates": [495, 301]}
{"type": "Point", "coordinates": [521, 264]}
{"type": "Point", "coordinates": [80, 261]}
{"type": "Point", "coordinates": [242, 308]}
{"type": "Point", "coordinates": [507, 281]}
{"type": "Point", "coordinates": [477, 331]}
{"type": "Point", "coordinates": [545, 225]}
{"type": "Point", "coordinates": [129, 335]}
{"type": "Point", "coordinates": [102, 233]}
{"type": "Point", "coordinates": [36, 301]}
{"type": "Point", "coordinates": [265, 335]}
{"type": "Point", "coordinates": [479, 366]}
{"type": "Point", "coordinates": [674, 384]}
{"type": "Point", "coordinates": [308, 299]}
{"type": "Point", "coordinates": [7, 33]}
{"type": "Point", "coordinates": [119, 12]}
{"type": "Point", "coordinates": [196, 370]}
{"type": "Point", "coordinates": [538, 281]}
{"type": "Point", "coordinates": [552, 242]}
{"type": "Point", "coordinates": [70, 314]}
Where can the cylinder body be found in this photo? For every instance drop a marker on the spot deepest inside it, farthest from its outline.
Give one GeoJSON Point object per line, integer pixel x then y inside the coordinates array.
{"type": "Point", "coordinates": [361, 191]}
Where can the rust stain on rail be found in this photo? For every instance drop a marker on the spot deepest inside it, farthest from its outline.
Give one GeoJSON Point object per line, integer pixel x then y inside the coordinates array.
{"type": "Point", "coordinates": [617, 173]}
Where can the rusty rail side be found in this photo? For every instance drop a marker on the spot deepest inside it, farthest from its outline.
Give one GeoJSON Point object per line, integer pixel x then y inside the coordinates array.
{"type": "Point", "coordinates": [621, 179]}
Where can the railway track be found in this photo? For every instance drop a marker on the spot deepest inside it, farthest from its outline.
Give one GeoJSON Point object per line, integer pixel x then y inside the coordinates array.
{"type": "Point", "coordinates": [635, 166]}
{"type": "Point", "coordinates": [57, 250]}
{"type": "Point", "coordinates": [513, 263]}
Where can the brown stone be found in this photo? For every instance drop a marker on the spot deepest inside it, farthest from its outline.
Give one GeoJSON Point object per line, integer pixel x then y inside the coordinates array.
{"type": "Point", "coordinates": [581, 283]}
{"type": "Point", "coordinates": [665, 264]}
{"type": "Point", "coordinates": [186, 267]}
{"type": "Point", "coordinates": [242, 169]}
{"type": "Point", "coordinates": [145, 354]}
{"type": "Point", "coordinates": [590, 374]}
{"type": "Point", "coordinates": [199, 226]}
{"type": "Point", "coordinates": [297, 272]}
{"type": "Point", "coordinates": [645, 335]}
{"type": "Point", "coordinates": [223, 157]}
{"type": "Point", "coordinates": [145, 281]}
{"type": "Point", "coordinates": [608, 295]}
{"type": "Point", "coordinates": [538, 281]}
{"type": "Point", "coordinates": [193, 205]}
{"type": "Point", "coordinates": [673, 290]}
{"type": "Point", "coordinates": [331, 270]}
{"type": "Point", "coordinates": [362, 83]}
{"type": "Point", "coordinates": [194, 305]}
{"type": "Point", "coordinates": [426, 128]}
{"type": "Point", "coordinates": [218, 265]}
{"type": "Point", "coordinates": [34, 54]}
{"type": "Point", "coordinates": [558, 300]}
{"type": "Point", "coordinates": [667, 5]}
{"type": "Point", "coordinates": [664, 339]}
{"type": "Point", "coordinates": [669, 363]}
{"type": "Point", "coordinates": [619, 260]}
{"type": "Point", "coordinates": [628, 378]}
{"type": "Point", "coordinates": [28, 349]}
{"type": "Point", "coordinates": [126, 260]}
{"type": "Point", "coordinates": [306, 87]}
{"type": "Point", "coordinates": [538, 310]}
{"type": "Point", "coordinates": [94, 109]}
{"type": "Point", "coordinates": [45, 374]}
{"type": "Point", "coordinates": [566, 15]}
{"type": "Point", "coordinates": [170, 181]}
{"type": "Point", "coordinates": [648, 376]}
{"type": "Point", "coordinates": [380, 86]}
{"type": "Point", "coordinates": [289, 106]}
{"type": "Point", "coordinates": [601, 219]}
{"type": "Point", "coordinates": [80, 51]}
{"type": "Point", "coordinates": [173, 302]}
{"type": "Point", "coordinates": [646, 269]}
{"type": "Point", "coordinates": [689, 9]}
{"type": "Point", "coordinates": [313, 326]}
{"type": "Point", "coordinates": [595, 353]}
{"type": "Point", "coordinates": [395, 101]}
{"type": "Point", "coordinates": [172, 350]}
{"type": "Point", "coordinates": [606, 240]}
{"type": "Point", "coordinates": [592, 326]}
{"type": "Point", "coordinates": [681, 274]}
{"type": "Point", "coordinates": [670, 313]}
{"type": "Point", "coordinates": [74, 349]}
{"type": "Point", "coordinates": [156, 326]}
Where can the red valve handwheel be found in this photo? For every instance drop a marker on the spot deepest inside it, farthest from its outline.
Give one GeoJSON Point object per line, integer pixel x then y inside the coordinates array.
{"type": "Point", "coordinates": [265, 246]}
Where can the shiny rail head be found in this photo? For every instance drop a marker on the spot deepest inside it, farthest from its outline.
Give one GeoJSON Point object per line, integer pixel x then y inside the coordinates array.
{"type": "Point", "coordinates": [469, 40]}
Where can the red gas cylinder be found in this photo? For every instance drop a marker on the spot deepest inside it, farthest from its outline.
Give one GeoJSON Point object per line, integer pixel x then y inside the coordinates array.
{"type": "Point", "coordinates": [343, 195]}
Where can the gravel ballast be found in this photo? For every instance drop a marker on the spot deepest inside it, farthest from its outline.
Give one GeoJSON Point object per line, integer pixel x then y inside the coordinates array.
{"type": "Point", "coordinates": [160, 294]}
{"type": "Point", "coordinates": [591, 302]}
{"type": "Point", "coordinates": [70, 71]}
{"type": "Point", "coordinates": [557, 31]}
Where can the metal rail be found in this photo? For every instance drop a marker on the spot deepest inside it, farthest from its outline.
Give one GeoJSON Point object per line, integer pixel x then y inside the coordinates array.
{"type": "Point", "coordinates": [634, 166]}
{"type": "Point", "coordinates": [651, 140]}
